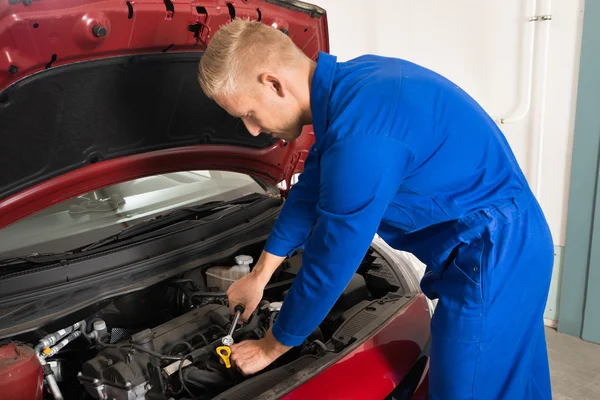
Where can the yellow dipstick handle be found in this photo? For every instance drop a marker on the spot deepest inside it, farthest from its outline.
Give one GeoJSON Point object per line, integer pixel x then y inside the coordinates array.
{"type": "Point", "coordinates": [224, 352]}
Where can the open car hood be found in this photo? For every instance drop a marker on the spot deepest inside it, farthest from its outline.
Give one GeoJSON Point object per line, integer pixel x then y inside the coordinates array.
{"type": "Point", "coordinates": [94, 93]}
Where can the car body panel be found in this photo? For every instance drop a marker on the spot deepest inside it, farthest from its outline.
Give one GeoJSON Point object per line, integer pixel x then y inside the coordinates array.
{"type": "Point", "coordinates": [373, 369]}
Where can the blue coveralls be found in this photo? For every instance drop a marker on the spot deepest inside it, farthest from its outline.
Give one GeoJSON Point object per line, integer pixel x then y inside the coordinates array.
{"type": "Point", "coordinates": [403, 152]}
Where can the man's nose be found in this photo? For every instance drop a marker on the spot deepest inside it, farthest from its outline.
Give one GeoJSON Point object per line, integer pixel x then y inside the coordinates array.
{"type": "Point", "coordinates": [252, 128]}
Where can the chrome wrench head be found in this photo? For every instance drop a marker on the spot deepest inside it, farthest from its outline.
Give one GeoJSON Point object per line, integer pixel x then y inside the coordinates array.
{"type": "Point", "coordinates": [227, 340]}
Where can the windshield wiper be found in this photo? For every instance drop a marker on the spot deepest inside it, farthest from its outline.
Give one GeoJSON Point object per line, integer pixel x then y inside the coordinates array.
{"type": "Point", "coordinates": [139, 229]}
{"type": "Point", "coordinates": [171, 218]}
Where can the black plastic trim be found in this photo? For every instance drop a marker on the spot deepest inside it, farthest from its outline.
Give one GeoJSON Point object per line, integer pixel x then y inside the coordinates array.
{"type": "Point", "coordinates": [409, 385]}
{"type": "Point", "coordinates": [57, 292]}
{"type": "Point", "coordinates": [295, 5]}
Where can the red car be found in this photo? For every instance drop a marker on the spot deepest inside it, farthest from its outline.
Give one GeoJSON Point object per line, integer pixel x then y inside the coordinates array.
{"type": "Point", "coordinates": [126, 196]}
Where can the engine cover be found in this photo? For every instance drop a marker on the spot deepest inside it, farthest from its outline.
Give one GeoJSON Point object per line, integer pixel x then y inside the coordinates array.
{"type": "Point", "coordinates": [125, 373]}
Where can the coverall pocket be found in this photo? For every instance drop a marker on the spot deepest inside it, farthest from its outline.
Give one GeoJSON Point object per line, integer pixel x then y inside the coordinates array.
{"type": "Point", "coordinates": [462, 279]}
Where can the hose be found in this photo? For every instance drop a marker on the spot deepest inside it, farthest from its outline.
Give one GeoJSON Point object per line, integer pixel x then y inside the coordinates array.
{"type": "Point", "coordinates": [54, 387]}
{"type": "Point", "coordinates": [217, 319]}
{"type": "Point", "coordinates": [83, 330]}
{"type": "Point", "coordinates": [205, 378]}
{"type": "Point", "coordinates": [50, 380]}
{"type": "Point", "coordinates": [53, 338]}
{"type": "Point", "coordinates": [180, 373]}
{"type": "Point", "coordinates": [180, 281]}
{"type": "Point", "coordinates": [63, 343]}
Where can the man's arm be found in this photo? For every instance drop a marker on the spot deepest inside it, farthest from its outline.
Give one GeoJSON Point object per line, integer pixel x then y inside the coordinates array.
{"type": "Point", "coordinates": [291, 230]}
{"type": "Point", "coordinates": [298, 215]}
{"type": "Point", "coordinates": [359, 176]}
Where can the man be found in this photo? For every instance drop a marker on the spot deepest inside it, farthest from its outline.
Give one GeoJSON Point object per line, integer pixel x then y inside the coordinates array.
{"type": "Point", "coordinates": [402, 152]}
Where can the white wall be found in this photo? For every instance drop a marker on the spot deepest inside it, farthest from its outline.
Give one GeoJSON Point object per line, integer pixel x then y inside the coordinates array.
{"type": "Point", "coordinates": [483, 46]}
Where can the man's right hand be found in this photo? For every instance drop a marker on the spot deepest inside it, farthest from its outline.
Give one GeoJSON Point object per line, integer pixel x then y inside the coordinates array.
{"type": "Point", "coordinates": [249, 289]}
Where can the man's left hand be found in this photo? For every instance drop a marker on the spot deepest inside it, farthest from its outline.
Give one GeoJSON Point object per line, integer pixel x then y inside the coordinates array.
{"type": "Point", "coordinates": [252, 356]}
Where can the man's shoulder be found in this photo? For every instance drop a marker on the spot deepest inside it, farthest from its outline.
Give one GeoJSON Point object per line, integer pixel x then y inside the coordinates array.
{"type": "Point", "coordinates": [361, 79]}
{"type": "Point", "coordinates": [364, 88]}
{"type": "Point", "coordinates": [375, 78]}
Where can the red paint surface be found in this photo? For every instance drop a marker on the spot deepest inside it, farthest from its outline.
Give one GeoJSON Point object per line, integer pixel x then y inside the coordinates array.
{"type": "Point", "coordinates": [30, 35]}
{"type": "Point", "coordinates": [20, 373]}
{"type": "Point", "coordinates": [378, 365]}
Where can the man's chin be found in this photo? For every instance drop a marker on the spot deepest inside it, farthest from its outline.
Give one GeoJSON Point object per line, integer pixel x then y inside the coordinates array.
{"type": "Point", "coordinates": [289, 137]}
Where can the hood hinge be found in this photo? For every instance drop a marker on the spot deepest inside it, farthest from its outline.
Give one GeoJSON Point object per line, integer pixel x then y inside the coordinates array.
{"type": "Point", "coordinates": [290, 170]}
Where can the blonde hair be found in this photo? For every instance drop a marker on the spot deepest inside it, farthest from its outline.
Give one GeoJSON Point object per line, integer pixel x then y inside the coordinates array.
{"type": "Point", "coordinates": [242, 46]}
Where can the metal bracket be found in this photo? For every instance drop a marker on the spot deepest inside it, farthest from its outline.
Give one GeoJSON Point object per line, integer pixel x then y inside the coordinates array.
{"type": "Point", "coordinates": [536, 18]}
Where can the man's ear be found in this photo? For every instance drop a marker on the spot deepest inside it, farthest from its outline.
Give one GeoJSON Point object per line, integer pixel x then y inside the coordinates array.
{"type": "Point", "coordinates": [272, 82]}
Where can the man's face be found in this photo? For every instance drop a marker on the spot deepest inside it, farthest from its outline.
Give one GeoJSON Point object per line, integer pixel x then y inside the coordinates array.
{"type": "Point", "coordinates": [265, 106]}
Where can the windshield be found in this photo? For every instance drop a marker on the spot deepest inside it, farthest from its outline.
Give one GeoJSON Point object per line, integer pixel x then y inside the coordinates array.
{"type": "Point", "coordinates": [85, 219]}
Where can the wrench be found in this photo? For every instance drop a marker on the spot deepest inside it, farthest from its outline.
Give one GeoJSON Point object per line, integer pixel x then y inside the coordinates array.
{"type": "Point", "coordinates": [239, 310]}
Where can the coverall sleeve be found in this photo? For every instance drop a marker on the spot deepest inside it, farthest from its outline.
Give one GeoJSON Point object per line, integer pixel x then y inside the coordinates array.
{"type": "Point", "coordinates": [359, 176]}
{"type": "Point", "coordinates": [298, 215]}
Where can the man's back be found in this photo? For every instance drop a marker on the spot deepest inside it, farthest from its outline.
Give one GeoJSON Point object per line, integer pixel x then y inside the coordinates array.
{"type": "Point", "coordinates": [461, 161]}
{"type": "Point", "coordinates": [461, 204]}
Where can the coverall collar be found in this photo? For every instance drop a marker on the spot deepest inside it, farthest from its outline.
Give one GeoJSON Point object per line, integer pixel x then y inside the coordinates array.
{"type": "Point", "coordinates": [321, 91]}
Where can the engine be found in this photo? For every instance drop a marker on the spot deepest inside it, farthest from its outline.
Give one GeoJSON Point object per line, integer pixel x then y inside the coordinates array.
{"type": "Point", "coordinates": [162, 342]}
{"type": "Point", "coordinates": [147, 362]}
{"type": "Point", "coordinates": [180, 356]}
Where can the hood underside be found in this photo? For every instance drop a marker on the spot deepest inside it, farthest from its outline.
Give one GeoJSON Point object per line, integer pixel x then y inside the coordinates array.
{"type": "Point", "coordinates": [80, 114]}
{"type": "Point", "coordinates": [74, 96]}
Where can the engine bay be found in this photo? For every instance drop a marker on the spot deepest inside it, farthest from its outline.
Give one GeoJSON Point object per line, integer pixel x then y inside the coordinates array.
{"type": "Point", "coordinates": [161, 342]}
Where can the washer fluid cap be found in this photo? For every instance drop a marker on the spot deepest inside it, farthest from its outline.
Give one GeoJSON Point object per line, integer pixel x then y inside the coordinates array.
{"type": "Point", "coordinates": [275, 306]}
{"type": "Point", "coordinates": [99, 325]}
{"type": "Point", "coordinates": [243, 260]}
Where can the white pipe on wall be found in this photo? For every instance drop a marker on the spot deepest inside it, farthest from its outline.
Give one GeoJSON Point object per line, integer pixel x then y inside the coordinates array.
{"type": "Point", "coordinates": [516, 118]}
{"type": "Point", "coordinates": [541, 132]}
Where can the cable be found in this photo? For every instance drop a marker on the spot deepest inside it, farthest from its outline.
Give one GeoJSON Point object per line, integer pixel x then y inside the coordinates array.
{"type": "Point", "coordinates": [138, 348]}
{"type": "Point", "coordinates": [180, 373]}
{"type": "Point", "coordinates": [322, 346]}
{"type": "Point", "coordinates": [153, 353]}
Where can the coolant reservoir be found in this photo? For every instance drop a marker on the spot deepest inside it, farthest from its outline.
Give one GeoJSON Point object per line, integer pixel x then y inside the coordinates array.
{"type": "Point", "coordinates": [223, 277]}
